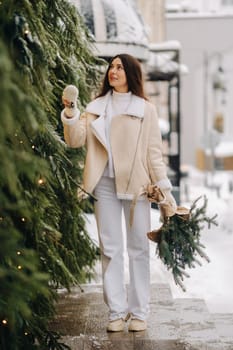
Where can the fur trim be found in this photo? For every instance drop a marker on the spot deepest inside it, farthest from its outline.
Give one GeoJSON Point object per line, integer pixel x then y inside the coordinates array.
{"type": "Point", "coordinates": [98, 106]}
{"type": "Point", "coordinates": [70, 121]}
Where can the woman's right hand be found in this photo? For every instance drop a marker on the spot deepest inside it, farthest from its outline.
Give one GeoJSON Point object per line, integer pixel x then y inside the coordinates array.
{"type": "Point", "coordinates": [69, 100]}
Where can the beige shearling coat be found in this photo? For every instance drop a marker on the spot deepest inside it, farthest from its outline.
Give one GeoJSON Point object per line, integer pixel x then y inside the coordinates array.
{"type": "Point", "coordinates": [136, 146]}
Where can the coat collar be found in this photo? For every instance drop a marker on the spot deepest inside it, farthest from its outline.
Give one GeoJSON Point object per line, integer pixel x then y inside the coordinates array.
{"type": "Point", "coordinates": [98, 106]}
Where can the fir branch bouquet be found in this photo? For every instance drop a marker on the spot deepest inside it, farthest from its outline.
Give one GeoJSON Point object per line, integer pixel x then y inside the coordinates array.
{"type": "Point", "coordinates": [178, 239]}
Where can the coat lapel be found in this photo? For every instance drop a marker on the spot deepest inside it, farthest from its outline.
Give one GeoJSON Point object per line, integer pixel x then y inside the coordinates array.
{"type": "Point", "coordinates": [98, 129]}
{"type": "Point", "coordinates": [98, 107]}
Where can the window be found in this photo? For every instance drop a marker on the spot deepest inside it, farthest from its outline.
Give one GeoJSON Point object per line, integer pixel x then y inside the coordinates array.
{"type": "Point", "coordinates": [227, 2]}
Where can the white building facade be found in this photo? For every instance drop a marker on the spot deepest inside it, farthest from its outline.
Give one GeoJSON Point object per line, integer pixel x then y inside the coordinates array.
{"type": "Point", "coordinates": [214, 6]}
{"type": "Point", "coordinates": [204, 28]}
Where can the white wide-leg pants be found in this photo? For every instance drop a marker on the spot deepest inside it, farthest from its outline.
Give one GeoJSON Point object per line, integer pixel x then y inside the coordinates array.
{"type": "Point", "coordinates": [108, 211]}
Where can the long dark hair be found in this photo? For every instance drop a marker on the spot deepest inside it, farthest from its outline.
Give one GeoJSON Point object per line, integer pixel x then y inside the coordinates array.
{"type": "Point", "coordinates": [133, 73]}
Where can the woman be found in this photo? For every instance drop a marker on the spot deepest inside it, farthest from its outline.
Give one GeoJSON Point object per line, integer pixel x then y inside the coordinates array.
{"type": "Point", "coordinates": [120, 130]}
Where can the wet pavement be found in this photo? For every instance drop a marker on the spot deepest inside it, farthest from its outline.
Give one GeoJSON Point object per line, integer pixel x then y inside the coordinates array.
{"type": "Point", "coordinates": [173, 324]}
{"type": "Point", "coordinates": [200, 319]}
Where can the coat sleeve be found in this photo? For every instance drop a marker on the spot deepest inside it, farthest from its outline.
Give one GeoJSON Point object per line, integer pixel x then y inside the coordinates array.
{"type": "Point", "coordinates": [156, 164]}
{"type": "Point", "coordinates": [75, 129]}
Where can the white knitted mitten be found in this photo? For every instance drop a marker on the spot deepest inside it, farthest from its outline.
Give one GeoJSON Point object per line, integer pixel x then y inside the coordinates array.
{"type": "Point", "coordinates": [69, 99]}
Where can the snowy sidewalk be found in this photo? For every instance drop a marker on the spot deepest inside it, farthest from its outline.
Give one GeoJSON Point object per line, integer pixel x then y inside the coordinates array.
{"type": "Point", "coordinates": [212, 282]}
{"type": "Point", "coordinates": [173, 324]}
{"type": "Point", "coordinates": [199, 319]}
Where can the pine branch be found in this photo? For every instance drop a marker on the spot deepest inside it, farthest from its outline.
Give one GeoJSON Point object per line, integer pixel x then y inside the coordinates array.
{"type": "Point", "coordinates": [178, 239]}
{"type": "Point", "coordinates": [44, 46]}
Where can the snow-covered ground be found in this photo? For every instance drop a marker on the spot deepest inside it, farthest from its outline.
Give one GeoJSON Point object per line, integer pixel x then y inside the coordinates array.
{"type": "Point", "coordinates": [212, 281]}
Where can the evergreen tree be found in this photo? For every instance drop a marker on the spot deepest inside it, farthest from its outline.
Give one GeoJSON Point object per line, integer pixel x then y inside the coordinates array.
{"type": "Point", "coordinates": [44, 46]}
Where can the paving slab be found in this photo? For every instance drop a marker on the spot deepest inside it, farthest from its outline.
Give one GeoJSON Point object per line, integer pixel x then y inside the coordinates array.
{"type": "Point", "coordinates": [121, 343]}
{"type": "Point", "coordinates": [161, 294]}
{"type": "Point", "coordinates": [196, 326]}
{"type": "Point", "coordinates": [180, 324]}
{"type": "Point", "coordinates": [224, 325]}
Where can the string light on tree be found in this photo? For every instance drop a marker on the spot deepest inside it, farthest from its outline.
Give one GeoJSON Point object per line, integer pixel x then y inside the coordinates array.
{"type": "Point", "coordinates": [36, 153]}
{"type": "Point", "coordinates": [41, 181]}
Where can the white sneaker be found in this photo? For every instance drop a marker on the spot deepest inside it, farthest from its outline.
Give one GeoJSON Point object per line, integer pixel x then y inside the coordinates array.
{"type": "Point", "coordinates": [137, 325]}
{"type": "Point", "coordinates": [116, 325]}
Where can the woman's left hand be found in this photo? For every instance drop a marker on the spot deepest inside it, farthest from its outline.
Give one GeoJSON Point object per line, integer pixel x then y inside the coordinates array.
{"type": "Point", "coordinates": [168, 207]}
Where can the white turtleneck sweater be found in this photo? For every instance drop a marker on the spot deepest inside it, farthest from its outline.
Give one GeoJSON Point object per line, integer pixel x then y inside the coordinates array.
{"type": "Point", "coordinates": [118, 104]}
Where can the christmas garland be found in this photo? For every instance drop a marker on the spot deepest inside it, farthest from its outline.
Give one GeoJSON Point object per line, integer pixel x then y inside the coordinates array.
{"type": "Point", "coordinates": [178, 239]}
